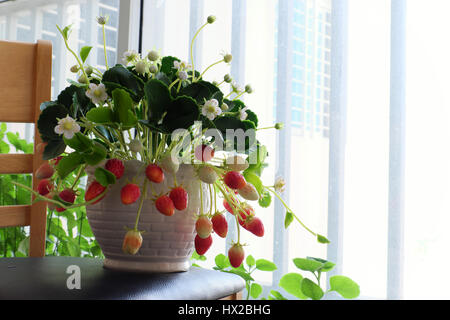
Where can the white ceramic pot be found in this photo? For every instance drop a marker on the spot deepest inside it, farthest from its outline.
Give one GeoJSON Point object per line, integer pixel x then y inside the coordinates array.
{"type": "Point", "coordinates": [168, 242]}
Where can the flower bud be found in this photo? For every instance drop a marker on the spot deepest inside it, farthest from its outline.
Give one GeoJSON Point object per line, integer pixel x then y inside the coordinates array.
{"type": "Point", "coordinates": [279, 125]}
{"type": "Point", "coordinates": [89, 70]}
{"type": "Point", "coordinates": [153, 69]}
{"type": "Point", "coordinates": [102, 20]}
{"type": "Point", "coordinates": [153, 55]}
{"type": "Point", "coordinates": [82, 79]}
{"type": "Point", "coordinates": [248, 88]}
{"type": "Point", "coordinates": [227, 78]}
{"type": "Point", "coordinates": [132, 242]}
{"type": "Point", "coordinates": [140, 67]}
{"type": "Point", "coordinates": [224, 107]}
{"type": "Point", "coordinates": [227, 58]}
{"type": "Point", "coordinates": [74, 69]}
{"type": "Point", "coordinates": [211, 19]}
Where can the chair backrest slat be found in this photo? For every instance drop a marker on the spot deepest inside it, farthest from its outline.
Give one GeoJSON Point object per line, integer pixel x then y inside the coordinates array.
{"type": "Point", "coordinates": [25, 83]}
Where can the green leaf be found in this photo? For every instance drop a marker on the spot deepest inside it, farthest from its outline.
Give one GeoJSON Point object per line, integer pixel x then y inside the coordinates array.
{"type": "Point", "coordinates": [307, 264]}
{"type": "Point", "coordinates": [275, 295]}
{"type": "Point", "coordinates": [104, 177]}
{"type": "Point", "coordinates": [24, 246]}
{"type": "Point", "coordinates": [255, 290]}
{"type": "Point", "coordinates": [53, 149]}
{"type": "Point", "coordinates": [244, 275]}
{"type": "Point", "coordinates": [181, 114]}
{"type": "Point", "coordinates": [254, 180]}
{"type": "Point", "coordinates": [198, 91]}
{"type": "Point", "coordinates": [79, 142]}
{"type": "Point", "coordinates": [326, 265]}
{"type": "Point", "coordinates": [322, 239]}
{"type": "Point", "coordinates": [123, 106]}
{"type": "Point", "coordinates": [72, 247]}
{"type": "Point", "coordinates": [48, 120]}
{"type": "Point", "coordinates": [97, 154]}
{"type": "Point", "coordinates": [250, 261]}
{"type": "Point", "coordinates": [167, 65]}
{"type": "Point", "coordinates": [291, 282]}
{"type": "Point", "coordinates": [100, 115]}
{"type": "Point", "coordinates": [222, 261]}
{"type": "Point", "coordinates": [84, 53]}
{"type": "Point", "coordinates": [288, 219]}
{"type": "Point", "coordinates": [158, 99]}
{"type": "Point", "coordinates": [345, 286]}
{"type": "Point", "coordinates": [120, 77]}
{"type": "Point", "coordinates": [265, 265]}
{"type": "Point", "coordinates": [310, 289]}
{"type": "Point", "coordinates": [69, 163]}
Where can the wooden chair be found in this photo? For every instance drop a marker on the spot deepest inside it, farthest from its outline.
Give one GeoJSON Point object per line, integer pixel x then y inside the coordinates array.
{"type": "Point", "coordinates": [25, 82]}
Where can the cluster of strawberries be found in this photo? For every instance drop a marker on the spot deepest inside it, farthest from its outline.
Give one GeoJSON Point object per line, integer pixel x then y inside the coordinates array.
{"type": "Point", "coordinates": [46, 186]}
{"type": "Point", "coordinates": [232, 185]}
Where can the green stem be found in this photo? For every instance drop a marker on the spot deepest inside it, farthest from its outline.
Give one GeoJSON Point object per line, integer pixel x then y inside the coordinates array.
{"type": "Point", "coordinates": [240, 94]}
{"type": "Point", "coordinates": [289, 209]}
{"type": "Point", "coordinates": [212, 65]}
{"type": "Point", "coordinates": [192, 50]}
{"type": "Point", "coordinates": [173, 83]}
{"type": "Point", "coordinates": [74, 54]}
{"type": "Point", "coordinates": [104, 47]}
{"type": "Point", "coordinates": [236, 214]}
{"type": "Point", "coordinates": [80, 172]}
{"type": "Point", "coordinates": [144, 194]}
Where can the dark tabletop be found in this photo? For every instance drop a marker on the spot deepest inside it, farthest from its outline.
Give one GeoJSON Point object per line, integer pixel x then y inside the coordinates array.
{"type": "Point", "coordinates": [47, 278]}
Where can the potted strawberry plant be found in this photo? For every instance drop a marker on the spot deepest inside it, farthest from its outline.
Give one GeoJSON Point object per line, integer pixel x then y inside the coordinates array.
{"type": "Point", "coordinates": [161, 145]}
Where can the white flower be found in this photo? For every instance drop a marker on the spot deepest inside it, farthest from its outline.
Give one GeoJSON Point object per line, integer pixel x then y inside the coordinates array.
{"type": "Point", "coordinates": [97, 93]}
{"type": "Point", "coordinates": [68, 127]}
{"type": "Point", "coordinates": [130, 56]}
{"type": "Point", "coordinates": [279, 185]}
{"type": "Point", "coordinates": [227, 57]}
{"type": "Point", "coordinates": [181, 65]}
{"type": "Point", "coordinates": [242, 114]}
{"type": "Point", "coordinates": [211, 109]}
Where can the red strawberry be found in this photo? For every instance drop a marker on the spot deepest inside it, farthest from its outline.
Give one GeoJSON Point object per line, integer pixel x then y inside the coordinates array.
{"type": "Point", "coordinates": [132, 242]}
{"type": "Point", "coordinates": [93, 191]}
{"type": "Point", "coordinates": [44, 187]}
{"type": "Point", "coordinates": [203, 227]}
{"type": "Point", "coordinates": [202, 245]}
{"type": "Point", "coordinates": [179, 196]}
{"type": "Point", "coordinates": [227, 206]}
{"type": "Point", "coordinates": [234, 180]}
{"type": "Point", "coordinates": [115, 166]}
{"type": "Point", "coordinates": [165, 205]}
{"type": "Point", "coordinates": [204, 153]}
{"type": "Point", "coordinates": [154, 173]}
{"type": "Point", "coordinates": [220, 224]}
{"type": "Point", "coordinates": [254, 225]}
{"type": "Point", "coordinates": [50, 205]}
{"type": "Point", "coordinates": [236, 255]}
{"type": "Point", "coordinates": [130, 193]}
{"type": "Point", "coordinates": [45, 171]}
{"type": "Point", "coordinates": [67, 195]}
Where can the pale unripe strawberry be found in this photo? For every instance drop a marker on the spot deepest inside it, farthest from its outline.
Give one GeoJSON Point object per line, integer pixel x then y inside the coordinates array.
{"type": "Point", "coordinates": [207, 174]}
{"type": "Point", "coordinates": [169, 164]}
{"type": "Point", "coordinates": [249, 192]}
{"type": "Point", "coordinates": [132, 242]}
{"type": "Point", "coordinates": [136, 145]}
{"type": "Point", "coordinates": [203, 227]}
{"type": "Point", "coordinates": [45, 171]}
{"type": "Point", "coordinates": [236, 163]}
